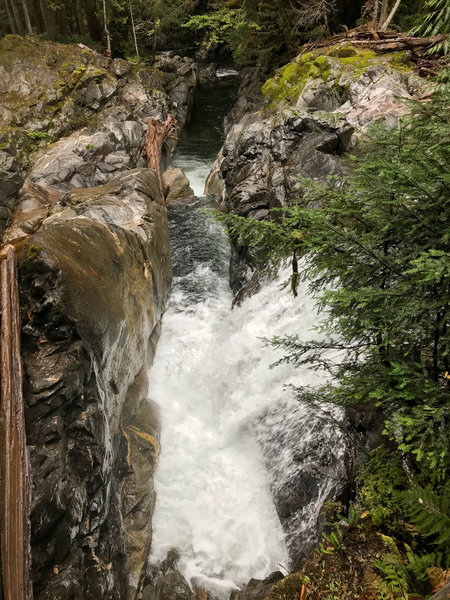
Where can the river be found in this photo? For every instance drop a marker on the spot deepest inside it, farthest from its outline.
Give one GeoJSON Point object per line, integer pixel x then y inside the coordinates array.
{"type": "Point", "coordinates": [233, 439]}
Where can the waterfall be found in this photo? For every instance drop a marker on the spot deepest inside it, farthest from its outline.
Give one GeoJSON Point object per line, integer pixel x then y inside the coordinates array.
{"type": "Point", "coordinates": [237, 451]}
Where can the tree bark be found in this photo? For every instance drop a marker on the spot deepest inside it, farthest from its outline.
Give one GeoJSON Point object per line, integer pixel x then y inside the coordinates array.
{"type": "Point", "coordinates": [94, 27]}
{"type": "Point", "coordinates": [134, 30]}
{"type": "Point", "coordinates": [80, 20]}
{"type": "Point", "coordinates": [157, 133]}
{"type": "Point", "coordinates": [384, 11]}
{"type": "Point", "coordinates": [386, 23]}
{"type": "Point", "coordinates": [402, 43]}
{"type": "Point", "coordinates": [12, 22]}
{"type": "Point", "coordinates": [376, 8]}
{"type": "Point", "coordinates": [17, 17]}
{"type": "Point", "coordinates": [15, 489]}
{"type": "Point", "coordinates": [48, 18]}
{"type": "Point", "coordinates": [26, 15]}
{"type": "Point", "coordinates": [36, 17]}
{"type": "Point", "coordinates": [105, 24]}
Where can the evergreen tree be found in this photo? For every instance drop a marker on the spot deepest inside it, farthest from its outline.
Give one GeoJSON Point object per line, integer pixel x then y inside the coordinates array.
{"type": "Point", "coordinates": [376, 249]}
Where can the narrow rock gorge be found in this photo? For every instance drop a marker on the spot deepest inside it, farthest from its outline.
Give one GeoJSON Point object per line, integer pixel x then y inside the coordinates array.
{"type": "Point", "coordinates": [170, 453]}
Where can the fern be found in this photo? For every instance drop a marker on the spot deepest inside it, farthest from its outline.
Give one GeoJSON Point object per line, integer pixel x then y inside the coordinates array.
{"type": "Point", "coordinates": [430, 512]}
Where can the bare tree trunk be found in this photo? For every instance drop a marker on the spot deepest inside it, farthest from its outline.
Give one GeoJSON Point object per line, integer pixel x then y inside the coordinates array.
{"type": "Point", "coordinates": [15, 489]}
{"type": "Point", "coordinates": [12, 22]}
{"type": "Point", "coordinates": [157, 133]}
{"type": "Point", "coordinates": [80, 21]}
{"type": "Point", "coordinates": [134, 30]}
{"type": "Point", "coordinates": [94, 26]}
{"type": "Point", "coordinates": [26, 14]}
{"type": "Point", "coordinates": [48, 18]}
{"type": "Point", "coordinates": [36, 17]}
{"type": "Point", "coordinates": [105, 23]}
{"type": "Point", "coordinates": [17, 17]}
{"type": "Point", "coordinates": [376, 8]}
{"type": "Point", "coordinates": [384, 12]}
{"type": "Point", "coordinates": [386, 23]}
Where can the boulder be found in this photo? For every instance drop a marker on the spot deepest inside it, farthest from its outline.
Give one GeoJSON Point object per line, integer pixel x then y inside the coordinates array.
{"type": "Point", "coordinates": [93, 281]}
{"type": "Point", "coordinates": [299, 124]}
{"type": "Point", "coordinates": [177, 189]}
{"type": "Point", "coordinates": [257, 589]}
{"type": "Point", "coordinates": [164, 581]}
{"type": "Point", "coordinates": [443, 594]}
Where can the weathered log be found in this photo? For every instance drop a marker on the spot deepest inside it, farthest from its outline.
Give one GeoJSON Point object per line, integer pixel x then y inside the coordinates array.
{"type": "Point", "coordinates": [157, 133]}
{"type": "Point", "coordinates": [379, 41]}
{"type": "Point", "coordinates": [399, 43]}
{"type": "Point", "coordinates": [15, 488]}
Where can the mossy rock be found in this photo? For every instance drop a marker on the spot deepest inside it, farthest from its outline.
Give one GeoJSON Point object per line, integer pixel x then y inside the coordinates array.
{"type": "Point", "coordinates": [292, 79]}
{"type": "Point", "coordinates": [343, 51]}
{"type": "Point", "coordinates": [316, 67]}
{"type": "Point", "coordinates": [288, 588]}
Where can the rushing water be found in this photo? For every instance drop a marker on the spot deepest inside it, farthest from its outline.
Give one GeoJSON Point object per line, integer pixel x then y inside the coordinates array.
{"type": "Point", "coordinates": [232, 440]}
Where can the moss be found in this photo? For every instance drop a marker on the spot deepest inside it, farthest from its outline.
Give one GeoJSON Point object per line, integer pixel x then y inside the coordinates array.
{"type": "Point", "coordinates": [288, 588]}
{"type": "Point", "coordinates": [290, 81]}
{"type": "Point", "coordinates": [33, 251]}
{"type": "Point", "coordinates": [391, 546]}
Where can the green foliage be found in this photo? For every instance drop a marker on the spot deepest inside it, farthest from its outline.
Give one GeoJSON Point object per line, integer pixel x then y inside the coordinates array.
{"type": "Point", "coordinates": [334, 541]}
{"type": "Point", "coordinates": [401, 578]}
{"type": "Point", "coordinates": [431, 513]}
{"type": "Point", "coordinates": [229, 26]}
{"type": "Point", "coordinates": [435, 20]}
{"type": "Point", "coordinates": [375, 250]}
{"type": "Point", "coordinates": [382, 480]}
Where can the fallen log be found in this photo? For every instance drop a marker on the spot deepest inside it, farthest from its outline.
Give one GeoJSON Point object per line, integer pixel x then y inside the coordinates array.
{"type": "Point", "coordinates": [157, 133]}
{"type": "Point", "coordinates": [15, 487]}
{"type": "Point", "coordinates": [379, 41]}
{"type": "Point", "coordinates": [399, 43]}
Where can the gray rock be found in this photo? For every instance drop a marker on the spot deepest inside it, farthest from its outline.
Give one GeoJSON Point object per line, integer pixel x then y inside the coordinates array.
{"type": "Point", "coordinates": [257, 589]}
{"type": "Point", "coordinates": [101, 107]}
{"type": "Point", "coordinates": [177, 190]}
{"type": "Point", "coordinates": [93, 282]}
{"type": "Point", "coordinates": [164, 581]}
{"type": "Point", "coordinates": [443, 594]}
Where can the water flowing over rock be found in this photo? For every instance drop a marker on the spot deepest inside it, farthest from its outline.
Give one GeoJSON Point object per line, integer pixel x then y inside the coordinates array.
{"type": "Point", "coordinates": [306, 117]}
{"type": "Point", "coordinates": [94, 281]}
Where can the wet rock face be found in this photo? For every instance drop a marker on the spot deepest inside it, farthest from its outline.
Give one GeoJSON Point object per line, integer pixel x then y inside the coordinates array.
{"type": "Point", "coordinates": [257, 589]}
{"type": "Point", "coordinates": [300, 123]}
{"type": "Point", "coordinates": [309, 460]}
{"type": "Point", "coordinates": [262, 158]}
{"type": "Point", "coordinates": [93, 283]}
{"type": "Point", "coordinates": [164, 581]}
{"type": "Point", "coordinates": [94, 110]}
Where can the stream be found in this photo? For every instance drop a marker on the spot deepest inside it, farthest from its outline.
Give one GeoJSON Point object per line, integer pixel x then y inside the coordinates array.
{"type": "Point", "coordinates": [237, 451]}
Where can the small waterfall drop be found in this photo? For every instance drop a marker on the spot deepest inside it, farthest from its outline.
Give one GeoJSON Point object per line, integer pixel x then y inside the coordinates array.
{"type": "Point", "coordinates": [232, 440]}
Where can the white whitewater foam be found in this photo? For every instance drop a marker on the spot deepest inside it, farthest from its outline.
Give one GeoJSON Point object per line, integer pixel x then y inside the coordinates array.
{"type": "Point", "coordinates": [211, 380]}
{"type": "Point", "coordinates": [226, 72]}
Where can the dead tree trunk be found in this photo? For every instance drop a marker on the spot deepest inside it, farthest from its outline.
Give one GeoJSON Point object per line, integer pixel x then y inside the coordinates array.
{"type": "Point", "coordinates": [17, 17]}
{"type": "Point", "coordinates": [157, 133]}
{"type": "Point", "coordinates": [388, 20]}
{"type": "Point", "coordinates": [15, 488]}
{"type": "Point", "coordinates": [26, 15]}
{"type": "Point", "coordinates": [12, 22]}
{"type": "Point", "coordinates": [133, 29]}
{"type": "Point", "coordinates": [107, 34]}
